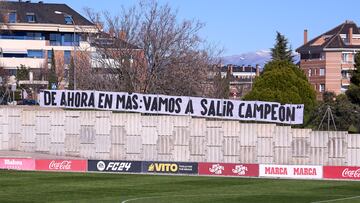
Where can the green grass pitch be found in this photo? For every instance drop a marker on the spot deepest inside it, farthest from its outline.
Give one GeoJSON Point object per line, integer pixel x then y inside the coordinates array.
{"type": "Point", "coordinates": [20, 186]}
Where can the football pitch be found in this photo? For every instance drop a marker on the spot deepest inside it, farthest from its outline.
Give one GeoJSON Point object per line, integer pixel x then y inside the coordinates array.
{"type": "Point", "coordinates": [20, 186]}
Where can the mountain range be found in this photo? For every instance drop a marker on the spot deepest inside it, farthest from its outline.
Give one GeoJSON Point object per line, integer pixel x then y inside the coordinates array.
{"type": "Point", "coordinates": [252, 58]}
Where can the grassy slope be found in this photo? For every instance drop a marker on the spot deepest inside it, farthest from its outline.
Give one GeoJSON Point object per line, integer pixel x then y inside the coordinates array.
{"type": "Point", "coordinates": [18, 186]}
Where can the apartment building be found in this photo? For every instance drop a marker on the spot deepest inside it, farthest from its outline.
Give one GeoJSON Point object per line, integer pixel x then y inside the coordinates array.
{"type": "Point", "coordinates": [242, 78]}
{"type": "Point", "coordinates": [328, 59]}
{"type": "Point", "coordinates": [29, 32]}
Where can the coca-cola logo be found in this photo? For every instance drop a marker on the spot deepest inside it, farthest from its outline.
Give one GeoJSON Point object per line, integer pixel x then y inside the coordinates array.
{"type": "Point", "coordinates": [60, 165]}
{"type": "Point", "coordinates": [347, 173]}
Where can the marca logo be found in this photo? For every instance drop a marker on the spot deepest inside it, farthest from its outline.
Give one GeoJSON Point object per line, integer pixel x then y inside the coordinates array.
{"type": "Point", "coordinates": [276, 170]}
{"type": "Point", "coordinates": [347, 173]}
{"type": "Point", "coordinates": [113, 166]}
{"type": "Point", "coordinates": [216, 169]}
{"type": "Point", "coordinates": [163, 167]}
{"type": "Point", "coordinates": [240, 169]}
{"type": "Point", "coordinates": [305, 171]}
{"type": "Point", "coordinates": [60, 165]}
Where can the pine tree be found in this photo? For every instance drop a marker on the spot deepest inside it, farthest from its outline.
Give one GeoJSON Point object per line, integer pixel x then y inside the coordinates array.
{"type": "Point", "coordinates": [281, 50]}
{"type": "Point", "coordinates": [53, 79]}
{"type": "Point", "coordinates": [71, 74]}
{"type": "Point", "coordinates": [353, 92]}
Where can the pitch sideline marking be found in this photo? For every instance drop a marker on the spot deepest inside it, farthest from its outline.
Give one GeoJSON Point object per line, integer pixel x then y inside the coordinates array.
{"type": "Point", "coordinates": [156, 197]}
{"type": "Point", "coordinates": [335, 200]}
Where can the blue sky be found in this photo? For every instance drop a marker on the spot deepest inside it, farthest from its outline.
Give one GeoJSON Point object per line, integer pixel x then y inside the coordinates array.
{"type": "Point", "coordinates": [244, 26]}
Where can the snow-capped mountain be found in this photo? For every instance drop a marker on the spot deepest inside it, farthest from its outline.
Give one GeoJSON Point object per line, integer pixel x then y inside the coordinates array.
{"type": "Point", "coordinates": [252, 58]}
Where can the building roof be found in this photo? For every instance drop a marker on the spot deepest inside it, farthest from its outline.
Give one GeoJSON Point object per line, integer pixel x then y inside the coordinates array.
{"type": "Point", "coordinates": [331, 39]}
{"type": "Point", "coordinates": [44, 12]}
{"type": "Point", "coordinates": [239, 69]}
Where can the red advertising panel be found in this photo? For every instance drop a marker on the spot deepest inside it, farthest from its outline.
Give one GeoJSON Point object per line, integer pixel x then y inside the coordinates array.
{"type": "Point", "coordinates": [17, 163]}
{"type": "Point", "coordinates": [61, 165]}
{"type": "Point", "coordinates": [226, 169]}
{"type": "Point", "coordinates": [342, 172]}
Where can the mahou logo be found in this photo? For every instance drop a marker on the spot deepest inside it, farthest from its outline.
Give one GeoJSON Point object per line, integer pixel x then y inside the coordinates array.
{"type": "Point", "coordinates": [347, 173]}
{"type": "Point", "coordinates": [216, 169]}
{"type": "Point", "coordinates": [60, 165]}
{"type": "Point", "coordinates": [240, 169]}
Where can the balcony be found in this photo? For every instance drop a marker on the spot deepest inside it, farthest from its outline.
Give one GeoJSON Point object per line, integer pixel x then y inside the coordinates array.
{"type": "Point", "coordinates": [16, 62]}
{"type": "Point", "coordinates": [345, 81]}
{"type": "Point", "coordinates": [23, 45]}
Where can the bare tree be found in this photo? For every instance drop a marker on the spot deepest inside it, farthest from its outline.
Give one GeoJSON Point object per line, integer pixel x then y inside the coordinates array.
{"type": "Point", "coordinates": [147, 50]}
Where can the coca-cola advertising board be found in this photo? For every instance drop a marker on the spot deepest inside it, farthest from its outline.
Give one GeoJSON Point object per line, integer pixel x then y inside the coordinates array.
{"type": "Point", "coordinates": [342, 172]}
{"type": "Point", "coordinates": [61, 165]}
{"type": "Point", "coordinates": [17, 163]}
{"type": "Point", "coordinates": [229, 169]}
{"type": "Point", "coordinates": [291, 171]}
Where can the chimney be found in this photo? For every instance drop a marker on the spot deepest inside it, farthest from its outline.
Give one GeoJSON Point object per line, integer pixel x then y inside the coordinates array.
{"type": "Point", "coordinates": [257, 69]}
{"type": "Point", "coordinates": [305, 36]}
{"type": "Point", "coordinates": [350, 35]}
{"type": "Point", "coordinates": [122, 35]}
{"type": "Point", "coordinates": [112, 32]}
{"type": "Point", "coordinates": [230, 68]}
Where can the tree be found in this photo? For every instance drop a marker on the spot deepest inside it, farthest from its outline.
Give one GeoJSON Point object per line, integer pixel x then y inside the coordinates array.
{"type": "Point", "coordinates": [52, 78]}
{"type": "Point", "coordinates": [281, 50]}
{"type": "Point", "coordinates": [282, 81]}
{"type": "Point", "coordinates": [353, 93]}
{"type": "Point", "coordinates": [222, 85]}
{"type": "Point", "coordinates": [22, 72]}
{"type": "Point", "coordinates": [148, 50]}
{"type": "Point", "coordinates": [71, 74]}
{"type": "Point", "coordinates": [346, 114]}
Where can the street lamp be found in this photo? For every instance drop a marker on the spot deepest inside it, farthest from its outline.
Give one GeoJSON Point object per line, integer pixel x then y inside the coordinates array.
{"type": "Point", "coordinates": [74, 39]}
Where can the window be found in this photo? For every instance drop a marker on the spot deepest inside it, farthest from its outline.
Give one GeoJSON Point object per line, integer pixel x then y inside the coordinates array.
{"type": "Point", "coordinates": [345, 57]}
{"type": "Point", "coordinates": [55, 39]}
{"type": "Point", "coordinates": [30, 17]}
{"type": "Point", "coordinates": [67, 57]}
{"type": "Point", "coordinates": [309, 72]}
{"type": "Point", "coordinates": [49, 56]}
{"type": "Point", "coordinates": [322, 72]}
{"type": "Point", "coordinates": [34, 36]}
{"type": "Point", "coordinates": [345, 74]}
{"type": "Point", "coordinates": [321, 87]}
{"type": "Point", "coordinates": [68, 20]}
{"type": "Point", "coordinates": [35, 54]}
{"type": "Point", "coordinates": [12, 17]}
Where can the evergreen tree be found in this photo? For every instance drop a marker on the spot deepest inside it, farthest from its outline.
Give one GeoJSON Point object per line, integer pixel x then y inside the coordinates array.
{"type": "Point", "coordinates": [22, 73]}
{"type": "Point", "coordinates": [283, 82]}
{"type": "Point", "coordinates": [281, 50]}
{"type": "Point", "coordinates": [71, 74]}
{"type": "Point", "coordinates": [353, 93]}
{"type": "Point", "coordinates": [53, 79]}
{"type": "Point", "coordinates": [222, 85]}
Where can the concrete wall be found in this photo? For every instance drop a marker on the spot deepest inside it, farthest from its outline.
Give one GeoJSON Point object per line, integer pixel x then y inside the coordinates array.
{"type": "Point", "coordinates": [132, 136]}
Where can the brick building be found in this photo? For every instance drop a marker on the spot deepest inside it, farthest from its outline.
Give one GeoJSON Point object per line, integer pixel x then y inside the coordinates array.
{"type": "Point", "coordinates": [328, 59]}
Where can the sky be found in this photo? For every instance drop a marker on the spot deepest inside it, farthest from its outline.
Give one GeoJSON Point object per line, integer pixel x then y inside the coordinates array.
{"type": "Point", "coordinates": [240, 26]}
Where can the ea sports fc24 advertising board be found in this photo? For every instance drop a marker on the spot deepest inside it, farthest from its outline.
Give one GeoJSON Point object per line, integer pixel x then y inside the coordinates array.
{"type": "Point", "coordinates": [170, 167]}
{"type": "Point", "coordinates": [114, 166]}
{"type": "Point", "coordinates": [174, 105]}
{"type": "Point", "coordinates": [291, 171]}
{"type": "Point", "coordinates": [342, 172]}
{"type": "Point", "coordinates": [228, 169]}
{"type": "Point", "coordinates": [61, 165]}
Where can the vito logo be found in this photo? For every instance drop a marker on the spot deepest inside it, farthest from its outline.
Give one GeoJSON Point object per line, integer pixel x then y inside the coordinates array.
{"type": "Point", "coordinates": [100, 165]}
{"type": "Point", "coordinates": [216, 169]}
{"type": "Point", "coordinates": [163, 167]}
{"type": "Point", "coordinates": [240, 169]}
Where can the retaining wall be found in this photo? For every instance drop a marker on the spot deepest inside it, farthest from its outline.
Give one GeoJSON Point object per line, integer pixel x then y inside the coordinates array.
{"type": "Point", "coordinates": [132, 136]}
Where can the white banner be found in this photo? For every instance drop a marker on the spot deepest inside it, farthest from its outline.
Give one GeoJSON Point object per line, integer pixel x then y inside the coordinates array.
{"type": "Point", "coordinates": [291, 171]}
{"type": "Point", "coordinates": [174, 105]}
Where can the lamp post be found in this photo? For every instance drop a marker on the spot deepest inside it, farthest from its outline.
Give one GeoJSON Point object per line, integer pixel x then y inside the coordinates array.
{"type": "Point", "coordinates": [74, 39]}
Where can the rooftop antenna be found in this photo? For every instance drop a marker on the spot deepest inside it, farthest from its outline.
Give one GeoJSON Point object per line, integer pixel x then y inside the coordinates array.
{"type": "Point", "coordinates": [330, 117]}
